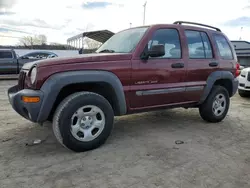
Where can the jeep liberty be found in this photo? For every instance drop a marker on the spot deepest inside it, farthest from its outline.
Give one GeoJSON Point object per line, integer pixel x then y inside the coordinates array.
{"type": "Point", "coordinates": [138, 69]}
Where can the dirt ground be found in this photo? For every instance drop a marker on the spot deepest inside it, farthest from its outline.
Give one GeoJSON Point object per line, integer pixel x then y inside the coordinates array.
{"type": "Point", "coordinates": [141, 152]}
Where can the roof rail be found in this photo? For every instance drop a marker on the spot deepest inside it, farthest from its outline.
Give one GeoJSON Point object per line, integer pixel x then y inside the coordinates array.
{"type": "Point", "coordinates": [193, 23]}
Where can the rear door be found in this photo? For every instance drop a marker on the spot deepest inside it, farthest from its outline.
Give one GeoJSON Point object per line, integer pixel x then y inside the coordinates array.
{"type": "Point", "coordinates": [8, 62]}
{"type": "Point", "coordinates": [202, 61]}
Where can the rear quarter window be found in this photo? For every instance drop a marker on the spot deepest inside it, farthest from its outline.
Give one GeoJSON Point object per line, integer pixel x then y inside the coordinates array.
{"type": "Point", "coordinates": [223, 47]}
{"type": "Point", "coordinates": [6, 55]}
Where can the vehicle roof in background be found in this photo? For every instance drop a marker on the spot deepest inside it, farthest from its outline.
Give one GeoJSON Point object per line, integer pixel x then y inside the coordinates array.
{"type": "Point", "coordinates": [100, 36]}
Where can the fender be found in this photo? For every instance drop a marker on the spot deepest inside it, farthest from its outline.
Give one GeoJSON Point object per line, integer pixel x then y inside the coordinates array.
{"type": "Point", "coordinates": [212, 78]}
{"type": "Point", "coordinates": [56, 82]}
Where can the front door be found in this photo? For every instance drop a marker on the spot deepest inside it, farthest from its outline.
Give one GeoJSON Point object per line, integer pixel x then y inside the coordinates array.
{"type": "Point", "coordinates": [160, 81]}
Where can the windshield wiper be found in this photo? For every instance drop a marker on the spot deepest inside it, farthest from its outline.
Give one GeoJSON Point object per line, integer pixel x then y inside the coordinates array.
{"type": "Point", "coordinates": [107, 50]}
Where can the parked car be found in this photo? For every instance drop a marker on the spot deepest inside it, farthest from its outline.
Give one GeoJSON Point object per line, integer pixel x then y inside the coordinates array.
{"type": "Point", "coordinates": [244, 83]}
{"type": "Point", "coordinates": [39, 55]}
{"type": "Point", "coordinates": [139, 69]}
{"type": "Point", "coordinates": [11, 63]}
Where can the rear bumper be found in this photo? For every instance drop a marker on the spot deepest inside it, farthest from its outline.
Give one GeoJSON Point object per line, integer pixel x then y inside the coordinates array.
{"type": "Point", "coordinates": [29, 111]}
{"type": "Point", "coordinates": [235, 86]}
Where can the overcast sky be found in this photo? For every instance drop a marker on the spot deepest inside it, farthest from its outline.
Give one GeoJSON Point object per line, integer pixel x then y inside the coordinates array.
{"type": "Point", "coordinates": [61, 19]}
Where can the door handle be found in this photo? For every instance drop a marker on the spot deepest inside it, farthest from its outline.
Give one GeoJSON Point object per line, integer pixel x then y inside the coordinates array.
{"type": "Point", "coordinates": [177, 65]}
{"type": "Point", "coordinates": [213, 64]}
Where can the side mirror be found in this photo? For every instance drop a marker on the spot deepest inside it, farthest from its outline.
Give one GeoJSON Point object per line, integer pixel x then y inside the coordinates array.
{"type": "Point", "coordinates": [157, 51]}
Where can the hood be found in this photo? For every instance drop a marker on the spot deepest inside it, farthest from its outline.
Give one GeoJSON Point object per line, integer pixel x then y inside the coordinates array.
{"type": "Point", "coordinates": [83, 58]}
{"type": "Point", "coordinates": [245, 71]}
{"type": "Point", "coordinates": [28, 65]}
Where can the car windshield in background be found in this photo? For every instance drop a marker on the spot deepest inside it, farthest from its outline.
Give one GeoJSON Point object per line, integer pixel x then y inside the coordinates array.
{"type": "Point", "coordinates": [123, 42]}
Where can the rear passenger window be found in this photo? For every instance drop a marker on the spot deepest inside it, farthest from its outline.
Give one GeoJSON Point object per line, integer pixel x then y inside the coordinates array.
{"type": "Point", "coordinates": [199, 46]}
{"type": "Point", "coordinates": [170, 39]}
{"type": "Point", "coordinates": [5, 55]}
{"type": "Point", "coordinates": [223, 47]}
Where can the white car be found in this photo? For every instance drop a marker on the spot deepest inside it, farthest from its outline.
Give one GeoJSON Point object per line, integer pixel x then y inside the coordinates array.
{"type": "Point", "coordinates": [244, 83]}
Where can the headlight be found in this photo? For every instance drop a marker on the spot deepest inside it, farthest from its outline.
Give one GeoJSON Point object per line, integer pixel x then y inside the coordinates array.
{"type": "Point", "coordinates": [33, 75]}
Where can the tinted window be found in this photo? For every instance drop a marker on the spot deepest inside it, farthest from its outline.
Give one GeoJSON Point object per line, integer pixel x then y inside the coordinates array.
{"type": "Point", "coordinates": [170, 39]}
{"type": "Point", "coordinates": [37, 55]}
{"type": "Point", "coordinates": [195, 45]}
{"type": "Point", "coordinates": [5, 55]}
{"type": "Point", "coordinates": [223, 47]}
{"type": "Point", "coordinates": [207, 45]}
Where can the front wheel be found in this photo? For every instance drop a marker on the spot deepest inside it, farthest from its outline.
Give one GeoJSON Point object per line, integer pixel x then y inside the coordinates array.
{"type": "Point", "coordinates": [83, 121]}
{"type": "Point", "coordinates": [216, 106]}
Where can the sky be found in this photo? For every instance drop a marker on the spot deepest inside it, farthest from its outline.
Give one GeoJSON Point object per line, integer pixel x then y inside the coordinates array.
{"type": "Point", "coordinates": [61, 19]}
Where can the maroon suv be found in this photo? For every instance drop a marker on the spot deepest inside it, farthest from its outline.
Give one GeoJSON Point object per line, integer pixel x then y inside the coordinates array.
{"type": "Point", "coordinates": [138, 69]}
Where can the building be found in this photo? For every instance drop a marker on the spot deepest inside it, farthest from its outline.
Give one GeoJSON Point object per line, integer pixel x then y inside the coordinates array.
{"type": "Point", "coordinates": [242, 49]}
{"type": "Point", "coordinates": [78, 41]}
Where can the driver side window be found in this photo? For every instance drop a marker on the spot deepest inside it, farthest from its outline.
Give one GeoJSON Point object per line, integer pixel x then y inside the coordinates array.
{"type": "Point", "coordinates": [170, 39]}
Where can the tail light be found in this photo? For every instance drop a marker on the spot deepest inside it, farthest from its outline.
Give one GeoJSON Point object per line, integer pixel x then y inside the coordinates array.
{"type": "Point", "coordinates": [237, 71]}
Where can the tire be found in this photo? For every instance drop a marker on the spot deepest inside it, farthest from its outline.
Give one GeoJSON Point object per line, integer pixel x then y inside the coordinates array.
{"type": "Point", "coordinates": [243, 93]}
{"type": "Point", "coordinates": [70, 108]}
{"type": "Point", "coordinates": [206, 109]}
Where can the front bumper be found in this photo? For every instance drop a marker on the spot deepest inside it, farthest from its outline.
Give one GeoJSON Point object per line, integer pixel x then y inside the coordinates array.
{"type": "Point", "coordinates": [244, 84]}
{"type": "Point", "coordinates": [29, 111]}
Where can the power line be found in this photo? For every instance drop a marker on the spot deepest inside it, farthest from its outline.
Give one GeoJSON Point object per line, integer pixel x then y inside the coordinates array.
{"type": "Point", "coordinates": [10, 37]}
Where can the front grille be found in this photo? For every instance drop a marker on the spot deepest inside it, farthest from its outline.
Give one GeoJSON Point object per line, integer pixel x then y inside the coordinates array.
{"type": "Point", "coordinates": [242, 85]}
{"type": "Point", "coordinates": [21, 80]}
{"type": "Point", "coordinates": [248, 76]}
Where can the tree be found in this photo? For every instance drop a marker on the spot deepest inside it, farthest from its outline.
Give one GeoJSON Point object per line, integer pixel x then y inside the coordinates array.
{"type": "Point", "coordinates": [33, 40]}
{"type": "Point", "coordinates": [42, 39]}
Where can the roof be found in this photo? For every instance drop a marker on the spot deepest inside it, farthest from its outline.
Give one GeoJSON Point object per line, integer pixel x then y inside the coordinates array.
{"type": "Point", "coordinates": [197, 24]}
{"type": "Point", "coordinates": [240, 44]}
{"type": "Point", "coordinates": [243, 52]}
{"type": "Point", "coordinates": [100, 36]}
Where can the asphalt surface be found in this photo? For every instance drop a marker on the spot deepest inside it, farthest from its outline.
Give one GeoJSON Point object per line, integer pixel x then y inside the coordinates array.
{"type": "Point", "coordinates": [141, 152]}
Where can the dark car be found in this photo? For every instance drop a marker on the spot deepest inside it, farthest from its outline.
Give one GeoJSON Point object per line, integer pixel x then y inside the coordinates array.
{"type": "Point", "coordinates": [138, 69]}
{"type": "Point", "coordinates": [11, 63]}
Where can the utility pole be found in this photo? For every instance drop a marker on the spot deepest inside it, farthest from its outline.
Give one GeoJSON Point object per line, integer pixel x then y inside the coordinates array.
{"type": "Point", "coordinates": [240, 32]}
{"type": "Point", "coordinates": [144, 12]}
{"type": "Point", "coordinates": [31, 42]}
{"type": "Point", "coordinates": [130, 25]}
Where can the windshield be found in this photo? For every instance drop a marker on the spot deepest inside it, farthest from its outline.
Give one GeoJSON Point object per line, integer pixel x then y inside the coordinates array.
{"type": "Point", "coordinates": [124, 41]}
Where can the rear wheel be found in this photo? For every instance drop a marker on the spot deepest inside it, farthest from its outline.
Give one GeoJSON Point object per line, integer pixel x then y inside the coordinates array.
{"type": "Point", "coordinates": [83, 121]}
{"type": "Point", "coordinates": [244, 93]}
{"type": "Point", "coordinates": [216, 106]}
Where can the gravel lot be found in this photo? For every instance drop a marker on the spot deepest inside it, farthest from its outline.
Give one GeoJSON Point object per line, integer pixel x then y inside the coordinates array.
{"type": "Point", "coordinates": [141, 152]}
